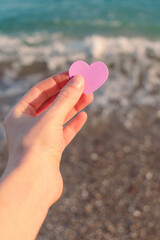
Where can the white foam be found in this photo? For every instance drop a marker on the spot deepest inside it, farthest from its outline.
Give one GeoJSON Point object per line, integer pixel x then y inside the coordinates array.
{"type": "Point", "coordinates": [133, 64]}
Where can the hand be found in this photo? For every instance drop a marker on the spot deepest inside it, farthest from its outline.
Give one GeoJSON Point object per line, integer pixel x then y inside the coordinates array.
{"type": "Point", "coordinates": [35, 133]}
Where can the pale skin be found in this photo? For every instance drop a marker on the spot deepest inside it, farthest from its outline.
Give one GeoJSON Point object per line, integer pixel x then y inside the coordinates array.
{"type": "Point", "coordinates": [36, 138]}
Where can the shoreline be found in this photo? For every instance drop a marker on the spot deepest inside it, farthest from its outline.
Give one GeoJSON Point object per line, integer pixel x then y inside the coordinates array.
{"type": "Point", "coordinates": [134, 75]}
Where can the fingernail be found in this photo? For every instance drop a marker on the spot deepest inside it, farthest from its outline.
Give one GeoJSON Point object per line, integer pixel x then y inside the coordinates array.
{"type": "Point", "coordinates": [77, 81]}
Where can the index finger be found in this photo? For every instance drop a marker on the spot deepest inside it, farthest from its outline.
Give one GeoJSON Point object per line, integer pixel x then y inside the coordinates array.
{"type": "Point", "coordinates": [40, 92]}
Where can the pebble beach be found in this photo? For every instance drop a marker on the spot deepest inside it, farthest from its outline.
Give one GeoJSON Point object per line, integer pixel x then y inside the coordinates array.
{"type": "Point", "coordinates": [111, 169]}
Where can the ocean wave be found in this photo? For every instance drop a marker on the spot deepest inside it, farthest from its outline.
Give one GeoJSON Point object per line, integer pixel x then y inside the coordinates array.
{"type": "Point", "coordinates": [133, 64]}
{"type": "Point", "coordinates": [27, 49]}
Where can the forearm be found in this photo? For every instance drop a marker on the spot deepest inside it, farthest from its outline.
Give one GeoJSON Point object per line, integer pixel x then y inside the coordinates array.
{"type": "Point", "coordinates": [23, 206]}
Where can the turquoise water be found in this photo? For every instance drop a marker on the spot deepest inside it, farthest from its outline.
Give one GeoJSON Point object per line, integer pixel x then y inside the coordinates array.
{"type": "Point", "coordinates": [81, 18]}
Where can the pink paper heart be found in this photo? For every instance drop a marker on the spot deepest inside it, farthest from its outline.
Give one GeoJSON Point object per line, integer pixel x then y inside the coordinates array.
{"type": "Point", "coordinates": [94, 75]}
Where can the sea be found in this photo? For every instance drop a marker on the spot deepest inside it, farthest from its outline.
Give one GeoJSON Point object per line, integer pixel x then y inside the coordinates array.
{"type": "Point", "coordinates": [80, 18]}
{"type": "Point", "coordinates": [40, 38]}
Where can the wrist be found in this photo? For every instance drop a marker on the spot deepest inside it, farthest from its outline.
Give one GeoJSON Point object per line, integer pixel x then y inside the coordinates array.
{"type": "Point", "coordinates": [22, 186]}
{"type": "Point", "coordinates": [40, 176]}
{"type": "Point", "coordinates": [21, 202]}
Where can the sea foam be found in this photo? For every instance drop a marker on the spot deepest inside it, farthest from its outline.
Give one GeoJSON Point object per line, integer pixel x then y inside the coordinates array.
{"type": "Point", "coordinates": [133, 64]}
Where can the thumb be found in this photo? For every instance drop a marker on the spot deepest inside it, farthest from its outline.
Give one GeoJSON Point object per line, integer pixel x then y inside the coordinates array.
{"type": "Point", "coordinates": [67, 98]}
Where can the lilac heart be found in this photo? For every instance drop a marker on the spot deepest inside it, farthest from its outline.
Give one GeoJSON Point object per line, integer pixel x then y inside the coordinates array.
{"type": "Point", "coordinates": [95, 74]}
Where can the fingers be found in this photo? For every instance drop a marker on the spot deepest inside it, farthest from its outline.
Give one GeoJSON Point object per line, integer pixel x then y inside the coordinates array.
{"type": "Point", "coordinates": [81, 104]}
{"type": "Point", "coordinates": [39, 93]}
{"type": "Point", "coordinates": [66, 99]}
{"type": "Point", "coordinates": [46, 104]}
{"type": "Point", "coordinates": [73, 127]}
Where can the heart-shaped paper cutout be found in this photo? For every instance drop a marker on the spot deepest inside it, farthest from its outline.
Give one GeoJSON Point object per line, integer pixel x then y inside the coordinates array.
{"type": "Point", "coordinates": [94, 75]}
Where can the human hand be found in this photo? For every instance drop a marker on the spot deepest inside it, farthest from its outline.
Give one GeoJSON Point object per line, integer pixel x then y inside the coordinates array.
{"type": "Point", "coordinates": [35, 133]}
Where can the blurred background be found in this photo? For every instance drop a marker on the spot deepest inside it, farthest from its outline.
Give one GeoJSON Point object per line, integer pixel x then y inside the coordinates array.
{"type": "Point", "coordinates": [111, 170]}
